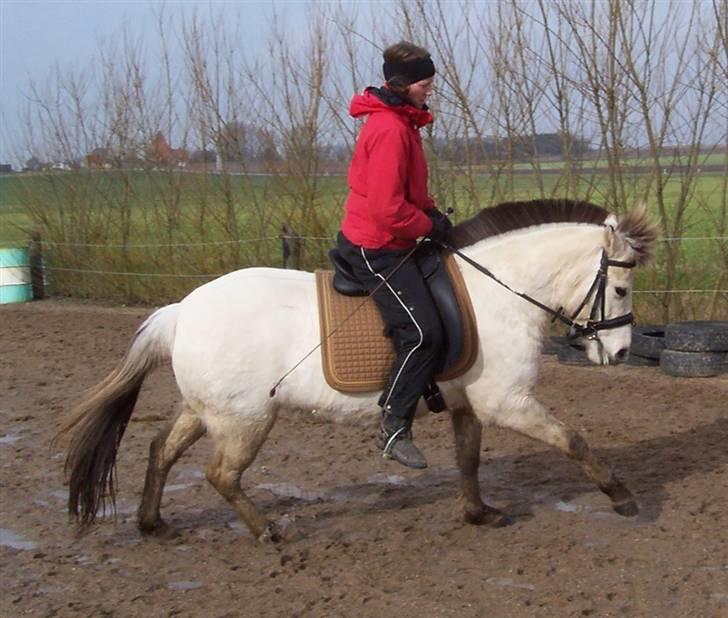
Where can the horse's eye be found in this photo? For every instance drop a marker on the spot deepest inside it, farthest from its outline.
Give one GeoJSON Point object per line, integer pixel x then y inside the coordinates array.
{"type": "Point", "coordinates": [621, 292]}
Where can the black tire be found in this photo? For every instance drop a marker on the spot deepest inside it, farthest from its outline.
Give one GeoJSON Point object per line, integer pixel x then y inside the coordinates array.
{"type": "Point", "coordinates": [697, 336]}
{"type": "Point", "coordinates": [573, 355]}
{"type": "Point", "coordinates": [693, 364]}
{"type": "Point", "coordinates": [642, 361]}
{"type": "Point", "coordinates": [648, 341]}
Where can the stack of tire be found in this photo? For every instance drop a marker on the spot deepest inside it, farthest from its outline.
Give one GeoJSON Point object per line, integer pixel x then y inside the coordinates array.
{"type": "Point", "coordinates": [682, 349]}
{"type": "Point", "coordinates": [695, 349]}
{"type": "Point", "coordinates": [648, 342]}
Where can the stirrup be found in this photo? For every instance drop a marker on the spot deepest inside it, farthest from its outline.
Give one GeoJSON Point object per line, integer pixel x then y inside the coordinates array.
{"type": "Point", "coordinates": [387, 450]}
{"type": "Point", "coordinates": [399, 447]}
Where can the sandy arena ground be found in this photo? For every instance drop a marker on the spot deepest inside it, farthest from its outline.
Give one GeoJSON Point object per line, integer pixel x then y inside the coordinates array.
{"type": "Point", "coordinates": [377, 539]}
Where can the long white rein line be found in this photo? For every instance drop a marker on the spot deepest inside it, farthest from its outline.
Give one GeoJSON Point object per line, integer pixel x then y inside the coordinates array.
{"type": "Point", "coordinates": [384, 280]}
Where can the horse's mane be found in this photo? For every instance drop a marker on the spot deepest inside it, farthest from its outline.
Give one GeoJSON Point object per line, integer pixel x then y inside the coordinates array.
{"type": "Point", "coordinates": [511, 216]}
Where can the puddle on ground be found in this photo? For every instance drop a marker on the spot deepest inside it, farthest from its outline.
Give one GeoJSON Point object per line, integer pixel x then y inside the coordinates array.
{"type": "Point", "coordinates": [507, 582]}
{"type": "Point", "coordinates": [8, 538]}
{"type": "Point", "coordinates": [59, 494]}
{"type": "Point", "coordinates": [186, 474]}
{"type": "Point", "coordinates": [387, 479]}
{"type": "Point", "coordinates": [183, 585]}
{"type": "Point", "coordinates": [287, 490]}
{"type": "Point", "coordinates": [346, 494]}
{"type": "Point", "coordinates": [9, 439]}
{"type": "Point", "coordinates": [52, 589]}
{"type": "Point", "coordinates": [177, 487]}
{"type": "Point", "coordinates": [568, 507]}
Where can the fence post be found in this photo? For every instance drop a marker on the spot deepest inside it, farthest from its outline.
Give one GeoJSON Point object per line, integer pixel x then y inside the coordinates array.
{"type": "Point", "coordinates": [35, 252]}
{"type": "Point", "coordinates": [291, 245]}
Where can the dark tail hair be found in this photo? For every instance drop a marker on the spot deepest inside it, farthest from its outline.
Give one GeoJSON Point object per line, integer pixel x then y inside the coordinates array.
{"type": "Point", "coordinates": [97, 424]}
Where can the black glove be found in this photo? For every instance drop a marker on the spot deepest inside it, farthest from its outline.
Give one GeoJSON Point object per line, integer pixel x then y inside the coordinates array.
{"type": "Point", "coordinates": [440, 225]}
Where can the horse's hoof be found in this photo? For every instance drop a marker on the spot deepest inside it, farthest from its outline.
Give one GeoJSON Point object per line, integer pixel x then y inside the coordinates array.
{"type": "Point", "coordinates": [160, 530]}
{"type": "Point", "coordinates": [626, 508]}
{"type": "Point", "coordinates": [488, 516]}
{"type": "Point", "coordinates": [270, 534]}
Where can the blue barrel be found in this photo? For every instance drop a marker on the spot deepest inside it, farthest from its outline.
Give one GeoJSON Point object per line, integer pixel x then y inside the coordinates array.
{"type": "Point", "coordinates": [15, 284]}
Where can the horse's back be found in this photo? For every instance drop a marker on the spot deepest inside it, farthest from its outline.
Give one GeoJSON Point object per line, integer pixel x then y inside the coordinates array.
{"type": "Point", "coordinates": [244, 326]}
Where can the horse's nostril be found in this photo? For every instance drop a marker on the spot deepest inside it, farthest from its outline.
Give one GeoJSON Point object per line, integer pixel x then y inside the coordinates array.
{"type": "Point", "coordinates": [622, 355]}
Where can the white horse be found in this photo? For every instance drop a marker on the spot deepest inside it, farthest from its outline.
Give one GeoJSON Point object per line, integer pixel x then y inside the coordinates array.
{"type": "Point", "coordinates": [231, 339]}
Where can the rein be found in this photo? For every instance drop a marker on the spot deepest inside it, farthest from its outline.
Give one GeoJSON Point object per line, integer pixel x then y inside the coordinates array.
{"type": "Point", "coordinates": [591, 328]}
{"type": "Point", "coordinates": [384, 280]}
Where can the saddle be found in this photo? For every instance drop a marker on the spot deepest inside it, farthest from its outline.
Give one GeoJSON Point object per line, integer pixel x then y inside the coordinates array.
{"type": "Point", "coordinates": [357, 355]}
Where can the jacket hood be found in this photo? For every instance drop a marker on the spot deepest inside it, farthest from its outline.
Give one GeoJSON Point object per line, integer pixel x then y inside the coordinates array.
{"type": "Point", "coordinates": [374, 100]}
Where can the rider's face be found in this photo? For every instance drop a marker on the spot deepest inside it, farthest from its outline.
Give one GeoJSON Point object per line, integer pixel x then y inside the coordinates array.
{"type": "Point", "coordinates": [420, 91]}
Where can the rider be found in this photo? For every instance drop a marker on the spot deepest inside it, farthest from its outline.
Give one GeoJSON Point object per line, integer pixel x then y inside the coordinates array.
{"type": "Point", "coordinates": [387, 210]}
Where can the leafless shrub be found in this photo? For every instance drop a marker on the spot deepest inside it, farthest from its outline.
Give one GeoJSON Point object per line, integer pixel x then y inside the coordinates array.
{"type": "Point", "coordinates": [614, 102]}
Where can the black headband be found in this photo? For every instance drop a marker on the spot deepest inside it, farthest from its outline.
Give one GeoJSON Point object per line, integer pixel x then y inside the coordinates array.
{"type": "Point", "coordinates": [411, 71]}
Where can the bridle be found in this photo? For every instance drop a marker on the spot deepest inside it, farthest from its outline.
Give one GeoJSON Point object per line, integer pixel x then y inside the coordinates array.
{"type": "Point", "coordinates": [591, 329]}
{"type": "Point", "coordinates": [596, 322]}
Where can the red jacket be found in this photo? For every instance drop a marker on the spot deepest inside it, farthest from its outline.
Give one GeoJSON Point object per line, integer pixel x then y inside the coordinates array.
{"type": "Point", "coordinates": [388, 196]}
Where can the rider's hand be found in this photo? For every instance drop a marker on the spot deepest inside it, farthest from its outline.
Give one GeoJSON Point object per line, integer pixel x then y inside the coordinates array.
{"type": "Point", "coordinates": [440, 225]}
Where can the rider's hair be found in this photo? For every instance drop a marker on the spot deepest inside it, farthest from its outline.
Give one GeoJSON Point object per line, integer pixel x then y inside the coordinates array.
{"type": "Point", "coordinates": [397, 54]}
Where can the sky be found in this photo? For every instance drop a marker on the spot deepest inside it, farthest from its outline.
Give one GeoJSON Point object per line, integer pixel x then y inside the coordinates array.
{"type": "Point", "coordinates": [37, 34]}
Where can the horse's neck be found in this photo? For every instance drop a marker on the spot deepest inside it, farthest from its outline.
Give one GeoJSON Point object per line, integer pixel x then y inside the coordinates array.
{"type": "Point", "coordinates": [555, 264]}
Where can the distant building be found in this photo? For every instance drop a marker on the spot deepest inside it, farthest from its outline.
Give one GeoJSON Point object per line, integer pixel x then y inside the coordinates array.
{"type": "Point", "coordinates": [99, 158]}
{"type": "Point", "coordinates": [6, 168]}
{"type": "Point", "coordinates": [162, 154]}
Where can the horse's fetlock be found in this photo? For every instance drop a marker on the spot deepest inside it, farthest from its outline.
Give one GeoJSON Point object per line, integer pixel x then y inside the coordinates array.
{"type": "Point", "coordinates": [270, 534]}
{"type": "Point", "coordinates": [578, 447]}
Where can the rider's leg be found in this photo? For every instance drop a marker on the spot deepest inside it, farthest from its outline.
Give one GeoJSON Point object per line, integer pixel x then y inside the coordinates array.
{"type": "Point", "coordinates": [411, 317]}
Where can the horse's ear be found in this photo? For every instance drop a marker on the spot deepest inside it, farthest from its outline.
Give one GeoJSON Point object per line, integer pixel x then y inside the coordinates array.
{"type": "Point", "coordinates": [613, 243]}
{"type": "Point", "coordinates": [611, 221]}
{"type": "Point", "coordinates": [639, 233]}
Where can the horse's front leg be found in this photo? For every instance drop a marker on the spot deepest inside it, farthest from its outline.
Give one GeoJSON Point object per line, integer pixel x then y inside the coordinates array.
{"type": "Point", "coordinates": [531, 419]}
{"type": "Point", "coordinates": [468, 430]}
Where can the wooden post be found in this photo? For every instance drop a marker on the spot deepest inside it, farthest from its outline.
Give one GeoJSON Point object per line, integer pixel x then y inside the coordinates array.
{"type": "Point", "coordinates": [291, 245]}
{"type": "Point", "coordinates": [35, 252]}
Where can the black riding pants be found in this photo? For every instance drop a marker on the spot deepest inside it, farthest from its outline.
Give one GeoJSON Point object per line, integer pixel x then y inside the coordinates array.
{"type": "Point", "coordinates": [410, 316]}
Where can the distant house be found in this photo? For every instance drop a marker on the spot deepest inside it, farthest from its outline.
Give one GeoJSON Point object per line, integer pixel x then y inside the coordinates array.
{"type": "Point", "coordinates": [99, 158]}
{"type": "Point", "coordinates": [162, 154]}
{"type": "Point", "coordinates": [6, 168]}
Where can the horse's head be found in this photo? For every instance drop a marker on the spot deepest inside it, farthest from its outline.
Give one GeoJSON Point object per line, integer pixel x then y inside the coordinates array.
{"type": "Point", "coordinates": [628, 243]}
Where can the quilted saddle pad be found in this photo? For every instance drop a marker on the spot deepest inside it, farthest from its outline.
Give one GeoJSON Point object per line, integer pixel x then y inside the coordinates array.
{"type": "Point", "coordinates": [356, 355]}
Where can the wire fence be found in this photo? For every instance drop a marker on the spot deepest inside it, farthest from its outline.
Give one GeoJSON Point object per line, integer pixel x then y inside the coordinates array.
{"type": "Point", "coordinates": [287, 240]}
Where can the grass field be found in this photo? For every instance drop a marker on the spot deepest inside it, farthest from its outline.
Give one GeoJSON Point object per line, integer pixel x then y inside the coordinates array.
{"type": "Point", "coordinates": [192, 226]}
{"type": "Point", "coordinates": [705, 160]}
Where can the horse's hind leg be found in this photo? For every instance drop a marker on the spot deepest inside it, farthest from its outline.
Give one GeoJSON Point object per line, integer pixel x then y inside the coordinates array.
{"type": "Point", "coordinates": [531, 419]}
{"type": "Point", "coordinates": [166, 448]}
{"type": "Point", "coordinates": [468, 430]}
{"type": "Point", "coordinates": [235, 449]}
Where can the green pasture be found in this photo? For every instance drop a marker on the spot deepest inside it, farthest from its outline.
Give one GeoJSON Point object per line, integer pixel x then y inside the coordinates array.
{"type": "Point", "coordinates": [710, 160]}
{"type": "Point", "coordinates": [179, 207]}
{"type": "Point", "coordinates": [178, 230]}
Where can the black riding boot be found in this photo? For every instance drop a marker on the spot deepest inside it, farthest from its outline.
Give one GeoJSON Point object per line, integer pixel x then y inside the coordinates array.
{"type": "Point", "coordinates": [395, 440]}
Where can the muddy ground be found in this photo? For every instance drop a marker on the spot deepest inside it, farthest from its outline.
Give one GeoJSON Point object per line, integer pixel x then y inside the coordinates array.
{"type": "Point", "coordinates": [377, 539]}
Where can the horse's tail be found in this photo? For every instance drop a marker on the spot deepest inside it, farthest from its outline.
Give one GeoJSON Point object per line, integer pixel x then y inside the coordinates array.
{"type": "Point", "coordinates": [97, 423]}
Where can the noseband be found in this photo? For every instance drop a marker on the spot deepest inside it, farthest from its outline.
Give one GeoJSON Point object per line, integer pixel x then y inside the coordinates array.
{"type": "Point", "coordinates": [588, 330]}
